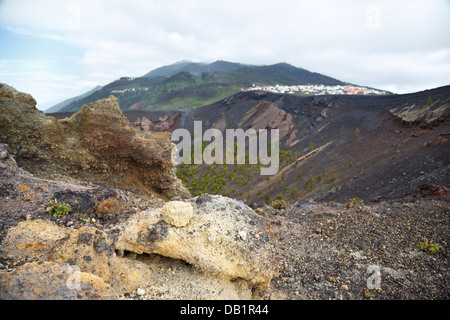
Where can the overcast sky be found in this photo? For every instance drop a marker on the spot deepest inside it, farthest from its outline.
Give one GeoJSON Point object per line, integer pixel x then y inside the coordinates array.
{"type": "Point", "coordinates": [55, 50]}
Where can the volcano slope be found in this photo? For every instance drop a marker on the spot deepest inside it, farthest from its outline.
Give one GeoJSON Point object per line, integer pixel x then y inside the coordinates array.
{"type": "Point", "coordinates": [333, 148]}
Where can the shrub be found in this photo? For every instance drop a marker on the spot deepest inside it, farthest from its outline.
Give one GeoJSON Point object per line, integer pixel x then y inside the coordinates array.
{"type": "Point", "coordinates": [319, 178]}
{"type": "Point", "coordinates": [86, 220]}
{"type": "Point", "coordinates": [429, 247]}
{"type": "Point", "coordinates": [294, 194]}
{"type": "Point", "coordinates": [267, 199]}
{"type": "Point", "coordinates": [309, 183]}
{"type": "Point", "coordinates": [279, 204]}
{"type": "Point", "coordinates": [330, 175]}
{"type": "Point", "coordinates": [58, 209]}
{"type": "Point", "coordinates": [355, 200]}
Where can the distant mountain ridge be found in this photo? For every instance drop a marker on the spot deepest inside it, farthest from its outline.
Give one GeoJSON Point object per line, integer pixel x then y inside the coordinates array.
{"type": "Point", "coordinates": [65, 103]}
{"type": "Point", "coordinates": [186, 85]}
{"type": "Point", "coordinates": [195, 68]}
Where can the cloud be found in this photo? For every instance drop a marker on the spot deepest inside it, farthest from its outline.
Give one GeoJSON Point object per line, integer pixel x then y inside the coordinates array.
{"type": "Point", "coordinates": [379, 43]}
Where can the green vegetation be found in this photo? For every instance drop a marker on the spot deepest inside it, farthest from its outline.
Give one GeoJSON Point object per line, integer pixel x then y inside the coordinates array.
{"type": "Point", "coordinates": [279, 204]}
{"type": "Point", "coordinates": [429, 247]}
{"type": "Point", "coordinates": [181, 91]}
{"type": "Point", "coordinates": [238, 180]}
{"type": "Point", "coordinates": [319, 178]}
{"type": "Point", "coordinates": [285, 155]}
{"type": "Point", "coordinates": [355, 200]}
{"type": "Point", "coordinates": [58, 209]}
{"type": "Point", "coordinates": [294, 194]}
{"type": "Point", "coordinates": [86, 220]}
{"type": "Point", "coordinates": [233, 180]}
{"type": "Point", "coordinates": [309, 183]}
{"type": "Point", "coordinates": [330, 176]}
{"type": "Point", "coordinates": [429, 101]}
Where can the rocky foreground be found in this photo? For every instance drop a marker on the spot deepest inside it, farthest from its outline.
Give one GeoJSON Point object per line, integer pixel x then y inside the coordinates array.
{"type": "Point", "coordinates": [117, 243]}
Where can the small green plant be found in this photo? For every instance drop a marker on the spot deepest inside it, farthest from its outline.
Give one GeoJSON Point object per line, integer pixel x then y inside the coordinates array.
{"type": "Point", "coordinates": [279, 204]}
{"type": "Point", "coordinates": [58, 209]}
{"type": "Point", "coordinates": [267, 199]}
{"type": "Point", "coordinates": [319, 178]}
{"type": "Point", "coordinates": [330, 176]}
{"type": "Point", "coordinates": [309, 184]}
{"type": "Point", "coordinates": [86, 220]}
{"type": "Point", "coordinates": [429, 247]}
{"type": "Point", "coordinates": [294, 194]}
{"type": "Point", "coordinates": [355, 200]}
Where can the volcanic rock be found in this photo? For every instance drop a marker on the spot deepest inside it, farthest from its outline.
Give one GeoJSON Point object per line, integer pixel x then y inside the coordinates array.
{"type": "Point", "coordinates": [95, 145]}
{"type": "Point", "coordinates": [212, 240]}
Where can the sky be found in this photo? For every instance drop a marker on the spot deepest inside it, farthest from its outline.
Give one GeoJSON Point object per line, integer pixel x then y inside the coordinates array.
{"type": "Point", "coordinates": [56, 50]}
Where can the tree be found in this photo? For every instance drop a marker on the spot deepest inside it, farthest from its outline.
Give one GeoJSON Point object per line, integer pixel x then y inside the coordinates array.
{"type": "Point", "coordinates": [309, 183]}
{"type": "Point", "coordinates": [429, 101]}
{"type": "Point", "coordinates": [330, 176]}
{"type": "Point", "coordinates": [294, 194]}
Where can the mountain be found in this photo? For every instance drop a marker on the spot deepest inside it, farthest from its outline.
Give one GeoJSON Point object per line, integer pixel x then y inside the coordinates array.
{"type": "Point", "coordinates": [67, 102]}
{"type": "Point", "coordinates": [194, 68]}
{"type": "Point", "coordinates": [283, 73]}
{"type": "Point", "coordinates": [186, 85]}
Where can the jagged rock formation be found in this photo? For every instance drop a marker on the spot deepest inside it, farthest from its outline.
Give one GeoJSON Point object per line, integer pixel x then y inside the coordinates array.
{"type": "Point", "coordinates": [267, 115]}
{"type": "Point", "coordinates": [95, 145]}
{"type": "Point", "coordinates": [425, 116]}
